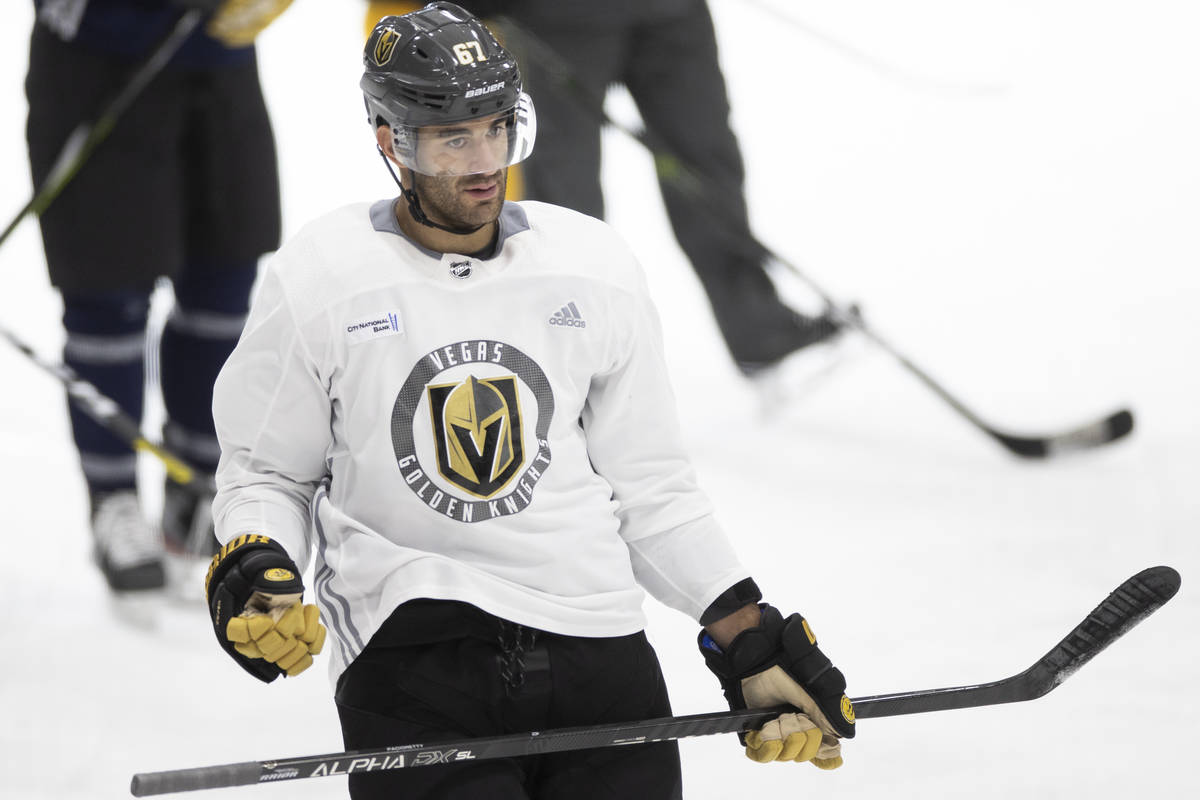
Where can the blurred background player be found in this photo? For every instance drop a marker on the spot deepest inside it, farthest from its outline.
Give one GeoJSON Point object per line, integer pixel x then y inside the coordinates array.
{"type": "Point", "coordinates": [665, 53]}
{"type": "Point", "coordinates": [185, 187]}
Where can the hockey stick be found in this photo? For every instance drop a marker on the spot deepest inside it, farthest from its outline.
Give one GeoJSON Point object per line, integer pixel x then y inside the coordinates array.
{"type": "Point", "coordinates": [686, 179]}
{"type": "Point", "coordinates": [106, 413]}
{"type": "Point", "coordinates": [1093, 434]}
{"type": "Point", "coordinates": [1129, 604]}
{"type": "Point", "coordinates": [88, 135]}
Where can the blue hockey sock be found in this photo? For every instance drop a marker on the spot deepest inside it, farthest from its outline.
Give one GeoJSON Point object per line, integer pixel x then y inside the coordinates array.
{"type": "Point", "coordinates": [105, 345]}
{"type": "Point", "coordinates": [209, 313]}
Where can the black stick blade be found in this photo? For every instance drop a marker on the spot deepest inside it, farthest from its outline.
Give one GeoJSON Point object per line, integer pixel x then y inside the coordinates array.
{"type": "Point", "coordinates": [1130, 603]}
{"type": "Point", "coordinates": [1109, 429]}
{"type": "Point", "coordinates": [1127, 605]}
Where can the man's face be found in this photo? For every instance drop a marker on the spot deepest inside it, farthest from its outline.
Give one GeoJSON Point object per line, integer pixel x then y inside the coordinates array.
{"type": "Point", "coordinates": [463, 171]}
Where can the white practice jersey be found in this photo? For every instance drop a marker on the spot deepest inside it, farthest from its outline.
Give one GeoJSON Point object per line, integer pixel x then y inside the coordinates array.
{"type": "Point", "coordinates": [499, 432]}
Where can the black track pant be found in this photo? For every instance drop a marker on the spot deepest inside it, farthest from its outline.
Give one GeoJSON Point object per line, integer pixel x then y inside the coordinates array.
{"type": "Point", "coordinates": [441, 670]}
{"type": "Point", "coordinates": [186, 182]}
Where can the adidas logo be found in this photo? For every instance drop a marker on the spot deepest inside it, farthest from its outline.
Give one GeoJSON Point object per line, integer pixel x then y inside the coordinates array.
{"type": "Point", "coordinates": [568, 316]}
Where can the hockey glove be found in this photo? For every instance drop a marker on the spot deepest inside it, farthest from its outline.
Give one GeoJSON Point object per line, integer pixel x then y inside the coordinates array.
{"type": "Point", "coordinates": [236, 23]}
{"type": "Point", "coordinates": [253, 590]}
{"type": "Point", "coordinates": [778, 662]}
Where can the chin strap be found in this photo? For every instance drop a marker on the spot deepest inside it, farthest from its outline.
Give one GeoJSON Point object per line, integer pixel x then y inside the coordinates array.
{"type": "Point", "coordinates": [414, 204]}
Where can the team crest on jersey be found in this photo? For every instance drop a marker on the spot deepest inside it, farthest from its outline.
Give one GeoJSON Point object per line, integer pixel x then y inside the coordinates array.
{"type": "Point", "coordinates": [470, 429]}
{"type": "Point", "coordinates": [477, 433]}
{"type": "Point", "coordinates": [385, 45]}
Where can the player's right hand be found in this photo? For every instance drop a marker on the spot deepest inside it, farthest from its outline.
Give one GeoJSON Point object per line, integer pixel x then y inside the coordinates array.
{"type": "Point", "coordinates": [286, 634]}
{"type": "Point", "coordinates": [254, 593]}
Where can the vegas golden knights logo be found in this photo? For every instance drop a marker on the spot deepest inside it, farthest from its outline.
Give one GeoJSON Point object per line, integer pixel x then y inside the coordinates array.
{"type": "Point", "coordinates": [384, 46]}
{"type": "Point", "coordinates": [477, 433]}
{"type": "Point", "coordinates": [470, 430]}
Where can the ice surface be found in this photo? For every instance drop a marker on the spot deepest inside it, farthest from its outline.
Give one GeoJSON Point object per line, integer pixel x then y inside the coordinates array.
{"type": "Point", "coordinates": [1014, 201]}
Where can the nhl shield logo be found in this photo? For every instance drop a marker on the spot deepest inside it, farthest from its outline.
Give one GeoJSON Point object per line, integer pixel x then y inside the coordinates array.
{"type": "Point", "coordinates": [477, 433]}
{"type": "Point", "coordinates": [385, 45]}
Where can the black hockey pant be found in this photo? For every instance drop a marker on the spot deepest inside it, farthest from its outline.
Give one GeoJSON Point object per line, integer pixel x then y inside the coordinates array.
{"type": "Point", "coordinates": [441, 670]}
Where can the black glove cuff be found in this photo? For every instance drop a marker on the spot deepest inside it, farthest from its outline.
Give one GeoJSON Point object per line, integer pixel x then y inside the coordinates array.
{"type": "Point", "coordinates": [735, 598]}
{"type": "Point", "coordinates": [253, 556]}
{"type": "Point", "coordinates": [751, 651]}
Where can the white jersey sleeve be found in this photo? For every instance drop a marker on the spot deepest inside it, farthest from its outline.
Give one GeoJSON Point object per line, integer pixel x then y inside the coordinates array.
{"type": "Point", "coordinates": [272, 415]}
{"type": "Point", "coordinates": [679, 553]}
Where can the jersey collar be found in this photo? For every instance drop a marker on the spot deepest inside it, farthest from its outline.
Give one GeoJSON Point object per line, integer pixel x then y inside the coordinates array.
{"type": "Point", "coordinates": [512, 222]}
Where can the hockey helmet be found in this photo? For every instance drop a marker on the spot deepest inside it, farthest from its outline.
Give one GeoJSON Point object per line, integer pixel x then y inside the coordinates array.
{"type": "Point", "coordinates": [435, 68]}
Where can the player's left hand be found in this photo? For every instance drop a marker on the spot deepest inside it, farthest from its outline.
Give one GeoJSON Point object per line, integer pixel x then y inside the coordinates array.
{"type": "Point", "coordinates": [776, 663]}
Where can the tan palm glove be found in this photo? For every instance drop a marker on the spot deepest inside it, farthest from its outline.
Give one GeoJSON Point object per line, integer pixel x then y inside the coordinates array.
{"type": "Point", "coordinates": [236, 23]}
{"type": "Point", "coordinates": [254, 595]}
{"type": "Point", "coordinates": [279, 629]}
{"type": "Point", "coordinates": [790, 737]}
{"type": "Point", "coordinates": [777, 663]}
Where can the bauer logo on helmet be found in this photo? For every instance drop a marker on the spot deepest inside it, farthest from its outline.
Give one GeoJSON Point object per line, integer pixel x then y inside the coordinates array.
{"type": "Point", "coordinates": [482, 90]}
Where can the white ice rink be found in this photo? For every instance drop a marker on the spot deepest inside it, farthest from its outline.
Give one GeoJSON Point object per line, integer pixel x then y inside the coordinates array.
{"type": "Point", "coordinates": [1011, 191]}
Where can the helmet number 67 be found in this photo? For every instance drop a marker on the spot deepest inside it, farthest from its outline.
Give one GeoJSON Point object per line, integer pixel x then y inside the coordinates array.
{"type": "Point", "coordinates": [465, 56]}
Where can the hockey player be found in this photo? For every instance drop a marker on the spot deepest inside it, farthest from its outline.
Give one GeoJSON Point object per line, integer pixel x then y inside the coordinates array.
{"type": "Point", "coordinates": [456, 405]}
{"type": "Point", "coordinates": [184, 187]}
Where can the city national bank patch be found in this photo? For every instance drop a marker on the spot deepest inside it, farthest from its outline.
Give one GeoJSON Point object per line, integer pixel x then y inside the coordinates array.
{"type": "Point", "coordinates": [374, 326]}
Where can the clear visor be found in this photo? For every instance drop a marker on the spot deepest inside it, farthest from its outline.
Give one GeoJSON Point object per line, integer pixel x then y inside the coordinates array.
{"type": "Point", "coordinates": [468, 148]}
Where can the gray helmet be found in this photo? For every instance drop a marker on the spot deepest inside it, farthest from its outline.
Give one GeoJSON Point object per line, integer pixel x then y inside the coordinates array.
{"type": "Point", "coordinates": [439, 66]}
